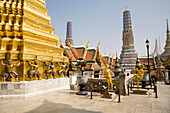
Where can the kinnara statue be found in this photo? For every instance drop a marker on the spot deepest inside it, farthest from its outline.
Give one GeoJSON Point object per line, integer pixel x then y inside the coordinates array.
{"type": "Point", "coordinates": [138, 74]}
{"type": "Point", "coordinates": [10, 74]}
{"type": "Point", "coordinates": [35, 74]}
{"type": "Point", "coordinates": [108, 76]}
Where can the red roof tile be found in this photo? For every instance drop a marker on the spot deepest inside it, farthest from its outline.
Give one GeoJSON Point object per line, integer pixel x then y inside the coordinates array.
{"type": "Point", "coordinates": [75, 51]}
{"type": "Point", "coordinates": [70, 54]}
{"type": "Point", "coordinates": [80, 52]}
{"type": "Point", "coordinates": [96, 66]}
{"type": "Point", "coordinates": [90, 55]}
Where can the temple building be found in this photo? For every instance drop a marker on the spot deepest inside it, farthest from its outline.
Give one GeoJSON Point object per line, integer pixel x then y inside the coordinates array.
{"type": "Point", "coordinates": [128, 55]}
{"type": "Point", "coordinates": [26, 34]}
{"type": "Point", "coordinates": [95, 61]}
{"type": "Point", "coordinates": [69, 33]}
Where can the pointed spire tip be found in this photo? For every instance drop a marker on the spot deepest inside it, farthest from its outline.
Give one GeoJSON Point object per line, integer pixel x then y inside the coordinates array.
{"type": "Point", "coordinates": [126, 7]}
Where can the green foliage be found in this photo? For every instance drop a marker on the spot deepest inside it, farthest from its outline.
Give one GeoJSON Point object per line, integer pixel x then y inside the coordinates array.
{"type": "Point", "coordinates": [80, 66]}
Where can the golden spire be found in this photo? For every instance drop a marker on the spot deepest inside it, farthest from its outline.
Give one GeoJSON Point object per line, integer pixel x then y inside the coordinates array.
{"type": "Point", "coordinates": [109, 54]}
{"type": "Point", "coordinates": [113, 56]}
{"type": "Point", "coordinates": [126, 7]}
{"type": "Point", "coordinates": [167, 26]}
{"type": "Point", "coordinates": [116, 54]}
{"type": "Point", "coordinates": [60, 40]}
{"type": "Point", "coordinates": [81, 43]}
{"type": "Point", "coordinates": [87, 45]}
{"type": "Point", "coordinates": [68, 44]}
{"type": "Point", "coordinates": [69, 18]}
{"type": "Point", "coordinates": [98, 44]}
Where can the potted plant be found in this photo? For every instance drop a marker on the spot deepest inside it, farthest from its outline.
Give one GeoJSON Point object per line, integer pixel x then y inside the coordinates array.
{"type": "Point", "coordinates": [82, 80]}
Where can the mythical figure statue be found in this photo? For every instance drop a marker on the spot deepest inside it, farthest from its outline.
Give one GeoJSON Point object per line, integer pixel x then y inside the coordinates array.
{"type": "Point", "coordinates": [63, 71]}
{"type": "Point", "coordinates": [50, 73]}
{"type": "Point", "coordinates": [108, 74]}
{"type": "Point", "coordinates": [35, 73]}
{"type": "Point", "coordinates": [138, 74]}
{"type": "Point", "coordinates": [10, 74]}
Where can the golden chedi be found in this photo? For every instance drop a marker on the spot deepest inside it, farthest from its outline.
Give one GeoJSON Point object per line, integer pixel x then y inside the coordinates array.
{"type": "Point", "coordinates": [26, 32]}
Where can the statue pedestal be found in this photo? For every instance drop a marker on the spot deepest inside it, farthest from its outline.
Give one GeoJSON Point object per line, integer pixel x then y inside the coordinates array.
{"type": "Point", "coordinates": [25, 89]}
{"type": "Point", "coordinates": [141, 91]}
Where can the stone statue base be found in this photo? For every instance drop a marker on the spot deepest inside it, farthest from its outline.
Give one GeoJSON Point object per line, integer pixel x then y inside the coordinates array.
{"type": "Point", "coordinates": [142, 91]}
{"type": "Point", "coordinates": [26, 89]}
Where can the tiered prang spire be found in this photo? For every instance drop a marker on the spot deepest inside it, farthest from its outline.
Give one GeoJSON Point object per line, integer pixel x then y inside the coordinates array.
{"type": "Point", "coordinates": [128, 55]}
{"type": "Point", "coordinates": [157, 48]}
{"type": "Point", "coordinates": [166, 54]}
{"type": "Point", "coordinates": [69, 32]}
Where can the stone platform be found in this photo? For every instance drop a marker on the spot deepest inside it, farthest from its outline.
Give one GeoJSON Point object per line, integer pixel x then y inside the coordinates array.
{"type": "Point", "coordinates": [142, 91]}
{"type": "Point", "coordinates": [26, 89]}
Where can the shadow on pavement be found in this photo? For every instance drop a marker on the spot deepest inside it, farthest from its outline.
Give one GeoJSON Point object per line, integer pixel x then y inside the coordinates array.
{"type": "Point", "coordinates": [49, 107]}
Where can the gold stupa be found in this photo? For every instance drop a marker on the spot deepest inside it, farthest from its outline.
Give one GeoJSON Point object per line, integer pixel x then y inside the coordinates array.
{"type": "Point", "coordinates": [26, 32]}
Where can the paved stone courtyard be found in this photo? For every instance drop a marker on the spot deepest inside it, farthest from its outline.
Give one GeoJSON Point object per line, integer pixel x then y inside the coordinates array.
{"type": "Point", "coordinates": [66, 101]}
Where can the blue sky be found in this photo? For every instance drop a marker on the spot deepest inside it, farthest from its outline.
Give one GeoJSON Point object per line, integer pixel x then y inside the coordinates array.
{"type": "Point", "coordinates": [103, 20]}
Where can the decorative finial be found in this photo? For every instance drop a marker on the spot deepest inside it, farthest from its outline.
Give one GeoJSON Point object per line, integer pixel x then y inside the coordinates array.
{"type": "Point", "coordinates": [110, 54]}
{"type": "Point", "coordinates": [167, 25]}
{"type": "Point", "coordinates": [60, 40]}
{"type": "Point", "coordinates": [81, 43]}
{"type": "Point", "coordinates": [87, 45]}
{"type": "Point", "coordinates": [113, 56]}
{"type": "Point", "coordinates": [116, 54]}
{"type": "Point", "coordinates": [126, 7]}
{"type": "Point", "coordinates": [69, 18]}
{"type": "Point", "coordinates": [98, 44]}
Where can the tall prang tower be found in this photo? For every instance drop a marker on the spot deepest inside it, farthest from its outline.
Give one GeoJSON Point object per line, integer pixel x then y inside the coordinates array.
{"type": "Point", "coordinates": [128, 55]}
{"type": "Point", "coordinates": [166, 54]}
{"type": "Point", "coordinates": [69, 33]}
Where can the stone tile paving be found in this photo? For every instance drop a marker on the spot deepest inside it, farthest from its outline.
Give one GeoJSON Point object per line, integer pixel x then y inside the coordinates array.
{"type": "Point", "coordinates": [66, 101]}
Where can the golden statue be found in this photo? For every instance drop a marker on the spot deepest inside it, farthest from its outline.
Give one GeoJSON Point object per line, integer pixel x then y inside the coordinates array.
{"type": "Point", "coordinates": [50, 73]}
{"type": "Point", "coordinates": [138, 74]}
{"type": "Point", "coordinates": [10, 75]}
{"type": "Point", "coordinates": [35, 73]}
{"type": "Point", "coordinates": [63, 71]}
{"type": "Point", "coordinates": [108, 76]}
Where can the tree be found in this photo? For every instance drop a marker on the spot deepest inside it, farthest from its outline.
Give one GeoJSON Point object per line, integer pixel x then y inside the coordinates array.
{"type": "Point", "coordinates": [81, 65]}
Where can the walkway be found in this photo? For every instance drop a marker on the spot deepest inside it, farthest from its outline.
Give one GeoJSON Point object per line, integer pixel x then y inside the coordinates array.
{"type": "Point", "coordinates": [66, 101]}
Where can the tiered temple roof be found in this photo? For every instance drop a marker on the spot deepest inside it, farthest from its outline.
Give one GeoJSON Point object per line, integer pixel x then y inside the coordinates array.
{"type": "Point", "coordinates": [95, 61]}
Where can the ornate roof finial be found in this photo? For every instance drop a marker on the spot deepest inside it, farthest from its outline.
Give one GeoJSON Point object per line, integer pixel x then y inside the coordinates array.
{"type": "Point", "coordinates": [69, 18]}
{"type": "Point", "coordinates": [87, 45]}
{"type": "Point", "coordinates": [60, 40]}
{"type": "Point", "coordinates": [110, 54]}
{"type": "Point", "coordinates": [167, 26]}
{"type": "Point", "coordinates": [126, 7]}
{"type": "Point", "coordinates": [98, 44]}
{"type": "Point", "coordinates": [116, 54]}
